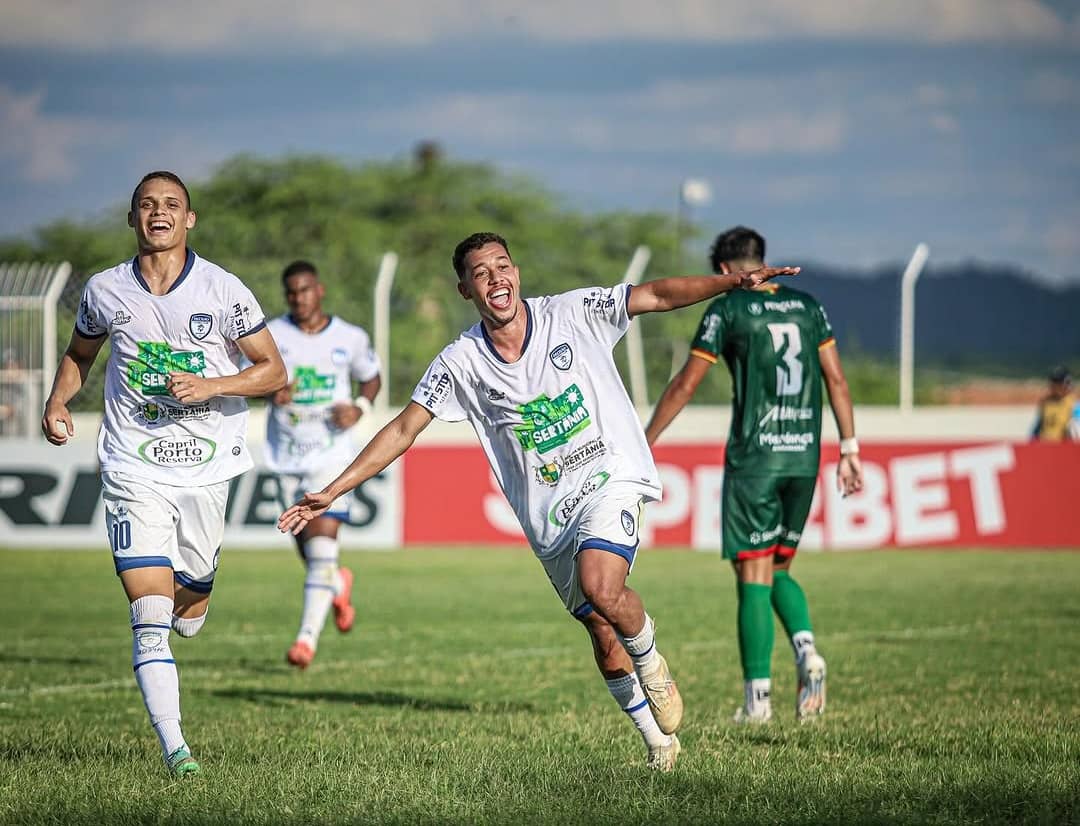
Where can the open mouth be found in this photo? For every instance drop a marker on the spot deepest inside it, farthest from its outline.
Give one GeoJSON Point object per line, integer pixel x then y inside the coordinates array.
{"type": "Point", "coordinates": [159, 227]}
{"type": "Point", "coordinates": [499, 299]}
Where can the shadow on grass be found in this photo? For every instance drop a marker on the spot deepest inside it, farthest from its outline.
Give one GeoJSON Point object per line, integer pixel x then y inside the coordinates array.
{"type": "Point", "coordinates": [33, 659]}
{"type": "Point", "coordinates": [389, 699]}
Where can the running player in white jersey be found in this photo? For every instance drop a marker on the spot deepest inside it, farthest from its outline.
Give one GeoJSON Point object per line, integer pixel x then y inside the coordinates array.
{"type": "Point", "coordinates": [173, 434]}
{"type": "Point", "coordinates": [308, 440]}
{"type": "Point", "coordinates": [537, 381]}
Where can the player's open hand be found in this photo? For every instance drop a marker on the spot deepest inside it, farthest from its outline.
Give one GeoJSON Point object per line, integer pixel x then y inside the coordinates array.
{"type": "Point", "coordinates": [312, 506]}
{"type": "Point", "coordinates": [755, 278]}
{"type": "Point", "coordinates": [56, 423]}
{"type": "Point", "coordinates": [849, 478]}
{"type": "Point", "coordinates": [189, 388]}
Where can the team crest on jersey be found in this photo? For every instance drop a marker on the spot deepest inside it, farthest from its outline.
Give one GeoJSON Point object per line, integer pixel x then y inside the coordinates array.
{"type": "Point", "coordinates": [627, 522]}
{"type": "Point", "coordinates": [549, 473]}
{"type": "Point", "coordinates": [754, 308]}
{"type": "Point", "coordinates": [339, 356]}
{"type": "Point", "coordinates": [120, 318]}
{"type": "Point", "coordinates": [200, 325]}
{"type": "Point", "coordinates": [562, 356]}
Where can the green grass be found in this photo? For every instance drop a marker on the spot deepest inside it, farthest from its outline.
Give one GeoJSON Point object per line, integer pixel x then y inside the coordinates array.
{"type": "Point", "coordinates": [466, 695]}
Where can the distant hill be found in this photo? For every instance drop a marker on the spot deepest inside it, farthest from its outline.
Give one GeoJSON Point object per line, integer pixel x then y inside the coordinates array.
{"type": "Point", "coordinates": [966, 316]}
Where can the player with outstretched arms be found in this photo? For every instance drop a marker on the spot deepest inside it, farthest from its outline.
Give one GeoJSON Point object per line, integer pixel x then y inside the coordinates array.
{"type": "Point", "coordinates": [173, 433]}
{"type": "Point", "coordinates": [537, 381]}
{"type": "Point", "coordinates": [309, 442]}
{"type": "Point", "coordinates": [778, 345]}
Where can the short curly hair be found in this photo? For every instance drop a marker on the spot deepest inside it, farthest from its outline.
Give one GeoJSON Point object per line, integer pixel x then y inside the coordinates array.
{"type": "Point", "coordinates": [737, 244]}
{"type": "Point", "coordinates": [475, 242]}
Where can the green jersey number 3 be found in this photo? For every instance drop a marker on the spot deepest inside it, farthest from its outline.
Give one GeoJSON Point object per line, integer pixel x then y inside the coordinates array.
{"type": "Point", "coordinates": [788, 346]}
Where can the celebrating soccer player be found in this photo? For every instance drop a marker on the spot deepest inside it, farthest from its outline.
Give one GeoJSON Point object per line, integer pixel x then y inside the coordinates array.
{"type": "Point", "coordinates": [537, 381]}
{"type": "Point", "coordinates": [307, 437]}
{"type": "Point", "coordinates": [776, 342]}
{"type": "Point", "coordinates": [173, 434]}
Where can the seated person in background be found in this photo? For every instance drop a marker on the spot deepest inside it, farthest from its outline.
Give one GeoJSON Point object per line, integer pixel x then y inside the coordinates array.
{"type": "Point", "coordinates": [1058, 413]}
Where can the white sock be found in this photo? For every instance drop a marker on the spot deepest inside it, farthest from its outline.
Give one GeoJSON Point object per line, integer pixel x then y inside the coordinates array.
{"type": "Point", "coordinates": [631, 699]}
{"type": "Point", "coordinates": [155, 668]}
{"type": "Point", "coordinates": [758, 696]}
{"type": "Point", "coordinates": [803, 643]}
{"type": "Point", "coordinates": [322, 583]}
{"type": "Point", "coordinates": [642, 648]}
{"type": "Point", "coordinates": [190, 626]}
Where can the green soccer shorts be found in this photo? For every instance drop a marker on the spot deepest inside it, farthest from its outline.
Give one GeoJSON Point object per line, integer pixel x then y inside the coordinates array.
{"type": "Point", "coordinates": [764, 515]}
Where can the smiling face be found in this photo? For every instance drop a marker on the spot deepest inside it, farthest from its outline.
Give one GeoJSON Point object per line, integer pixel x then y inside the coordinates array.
{"type": "Point", "coordinates": [162, 217]}
{"type": "Point", "coordinates": [492, 282]}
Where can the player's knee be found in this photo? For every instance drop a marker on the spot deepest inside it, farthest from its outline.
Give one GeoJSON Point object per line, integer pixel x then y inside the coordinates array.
{"type": "Point", "coordinates": [189, 626]}
{"type": "Point", "coordinates": [150, 622]}
{"type": "Point", "coordinates": [603, 593]}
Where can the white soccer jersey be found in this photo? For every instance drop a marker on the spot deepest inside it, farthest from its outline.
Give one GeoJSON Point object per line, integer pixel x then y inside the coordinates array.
{"type": "Point", "coordinates": [556, 425]}
{"type": "Point", "coordinates": [193, 328]}
{"type": "Point", "coordinates": [300, 435]}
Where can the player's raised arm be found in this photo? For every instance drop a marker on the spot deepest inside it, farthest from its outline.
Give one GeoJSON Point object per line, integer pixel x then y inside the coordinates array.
{"type": "Point", "coordinates": [70, 376]}
{"type": "Point", "coordinates": [671, 293]}
{"type": "Point", "coordinates": [265, 375]}
{"type": "Point", "coordinates": [394, 439]}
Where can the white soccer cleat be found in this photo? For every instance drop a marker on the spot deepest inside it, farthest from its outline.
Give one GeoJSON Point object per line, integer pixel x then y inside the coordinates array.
{"type": "Point", "coordinates": [810, 701]}
{"type": "Point", "coordinates": [665, 702]}
{"type": "Point", "coordinates": [662, 758]}
{"type": "Point", "coordinates": [757, 717]}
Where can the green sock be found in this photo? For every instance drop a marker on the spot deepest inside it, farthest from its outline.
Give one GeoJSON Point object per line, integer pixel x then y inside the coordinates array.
{"type": "Point", "coordinates": [755, 630]}
{"type": "Point", "coordinates": [789, 602]}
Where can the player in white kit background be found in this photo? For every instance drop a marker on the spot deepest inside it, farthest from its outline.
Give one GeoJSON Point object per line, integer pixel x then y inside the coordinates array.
{"type": "Point", "coordinates": [308, 438]}
{"type": "Point", "coordinates": [537, 380]}
{"type": "Point", "coordinates": [173, 434]}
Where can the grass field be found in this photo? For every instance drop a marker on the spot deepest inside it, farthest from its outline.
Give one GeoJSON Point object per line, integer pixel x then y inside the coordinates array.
{"type": "Point", "coordinates": [466, 695]}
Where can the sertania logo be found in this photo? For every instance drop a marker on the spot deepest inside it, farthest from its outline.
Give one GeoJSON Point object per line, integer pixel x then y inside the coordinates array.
{"type": "Point", "coordinates": [562, 356]}
{"type": "Point", "coordinates": [627, 522]}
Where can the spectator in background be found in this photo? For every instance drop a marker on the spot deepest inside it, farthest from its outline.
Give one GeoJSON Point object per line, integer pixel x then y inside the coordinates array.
{"type": "Point", "coordinates": [13, 393]}
{"type": "Point", "coordinates": [1058, 414]}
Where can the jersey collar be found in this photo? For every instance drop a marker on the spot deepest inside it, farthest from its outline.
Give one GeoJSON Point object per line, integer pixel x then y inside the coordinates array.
{"type": "Point", "coordinates": [528, 335]}
{"type": "Point", "coordinates": [188, 264]}
{"type": "Point", "coordinates": [323, 329]}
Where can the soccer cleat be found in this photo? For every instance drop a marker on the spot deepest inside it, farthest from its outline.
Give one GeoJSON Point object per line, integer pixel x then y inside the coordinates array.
{"type": "Point", "coordinates": [301, 654]}
{"type": "Point", "coordinates": [662, 758]}
{"type": "Point", "coordinates": [663, 696]}
{"type": "Point", "coordinates": [181, 763]}
{"type": "Point", "coordinates": [758, 717]}
{"type": "Point", "coordinates": [810, 701]}
{"type": "Point", "coordinates": [344, 613]}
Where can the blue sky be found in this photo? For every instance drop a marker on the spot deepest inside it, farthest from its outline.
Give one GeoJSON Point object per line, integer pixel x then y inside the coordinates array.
{"type": "Point", "coordinates": [846, 130]}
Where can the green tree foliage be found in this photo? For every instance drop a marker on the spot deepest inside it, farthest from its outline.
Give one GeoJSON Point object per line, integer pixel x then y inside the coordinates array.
{"type": "Point", "coordinates": [255, 215]}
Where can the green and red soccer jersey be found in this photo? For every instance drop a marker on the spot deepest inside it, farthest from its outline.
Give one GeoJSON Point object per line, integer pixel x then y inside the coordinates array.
{"type": "Point", "coordinates": [770, 340]}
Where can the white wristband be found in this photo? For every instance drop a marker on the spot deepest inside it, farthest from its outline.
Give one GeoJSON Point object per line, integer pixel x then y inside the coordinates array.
{"type": "Point", "coordinates": [364, 403]}
{"type": "Point", "coordinates": [849, 446]}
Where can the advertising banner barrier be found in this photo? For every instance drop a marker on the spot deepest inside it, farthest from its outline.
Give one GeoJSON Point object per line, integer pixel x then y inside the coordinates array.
{"type": "Point", "coordinates": [939, 494]}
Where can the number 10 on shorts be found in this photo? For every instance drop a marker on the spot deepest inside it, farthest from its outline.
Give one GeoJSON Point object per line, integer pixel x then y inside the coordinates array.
{"type": "Point", "coordinates": [120, 535]}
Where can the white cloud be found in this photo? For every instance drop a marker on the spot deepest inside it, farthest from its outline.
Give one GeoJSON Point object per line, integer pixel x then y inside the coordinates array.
{"type": "Point", "coordinates": [334, 25]}
{"type": "Point", "coordinates": [43, 145]}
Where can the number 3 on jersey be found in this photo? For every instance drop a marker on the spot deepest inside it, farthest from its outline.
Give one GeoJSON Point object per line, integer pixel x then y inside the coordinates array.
{"type": "Point", "coordinates": [788, 346]}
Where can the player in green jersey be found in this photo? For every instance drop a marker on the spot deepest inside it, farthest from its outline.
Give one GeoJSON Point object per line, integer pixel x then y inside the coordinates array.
{"type": "Point", "coordinates": [777, 342]}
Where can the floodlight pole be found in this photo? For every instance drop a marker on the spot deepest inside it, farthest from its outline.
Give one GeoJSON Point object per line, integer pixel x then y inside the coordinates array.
{"type": "Point", "coordinates": [635, 351]}
{"type": "Point", "coordinates": [907, 326]}
{"type": "Point", "coordinates": [384, 282]}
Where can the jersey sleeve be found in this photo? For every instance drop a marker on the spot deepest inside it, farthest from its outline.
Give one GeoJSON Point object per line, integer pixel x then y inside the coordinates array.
{"type": "Point", "coordinates": [602, 311]}
{"type": "Point", "coordinates": [709, 339]}
{"type": "Point", "coordinates": [823, 329]}
{"type": "Point", "coordinates": [90, 322]}
{"type": "Point", "coordinates": [365, 361]}
{"type": "Point", "coordinates": [440, 392]}
{"type": "Point", "coordinates": [243, 315]}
